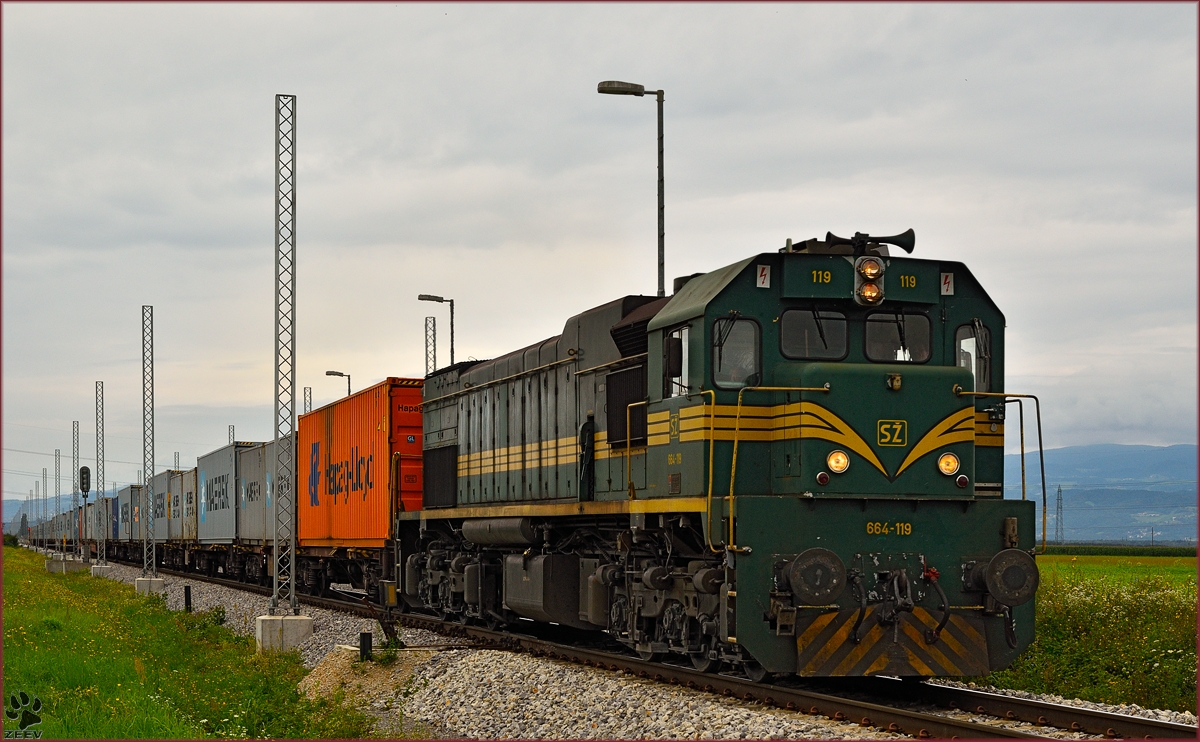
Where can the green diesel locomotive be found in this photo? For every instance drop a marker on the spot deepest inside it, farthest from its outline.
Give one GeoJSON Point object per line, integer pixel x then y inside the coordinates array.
{"type": "Point", "coordinates": [794, 464]}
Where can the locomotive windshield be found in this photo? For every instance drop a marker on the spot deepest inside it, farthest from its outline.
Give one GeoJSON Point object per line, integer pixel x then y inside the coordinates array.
{"type": "Point", "coordinates": [735, 353]}
{"type": "Point", "coordinates": [897, 338]}
{"type": "Point", "coordinates": [807, 334]}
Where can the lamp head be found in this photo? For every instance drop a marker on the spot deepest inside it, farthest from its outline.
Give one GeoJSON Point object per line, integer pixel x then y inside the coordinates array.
{"type": "Point", "coordinates": [616, 87]}
{"type": "Point", "coordinates": [430, 297]}
{"type": "Point", "coordinates": [334, 373]}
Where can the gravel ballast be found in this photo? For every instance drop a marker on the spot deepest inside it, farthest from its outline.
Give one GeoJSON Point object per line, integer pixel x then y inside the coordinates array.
{"type": "Point", "coordinates": [481, 693]}
{"type": "Point", "coordinates": [330, 628]}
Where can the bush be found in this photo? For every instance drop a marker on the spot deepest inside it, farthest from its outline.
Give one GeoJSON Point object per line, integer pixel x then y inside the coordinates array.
{"type": "Point", "coordinates": [11, 540]}
{"type": "Point", "coordinates": [1111, 641]}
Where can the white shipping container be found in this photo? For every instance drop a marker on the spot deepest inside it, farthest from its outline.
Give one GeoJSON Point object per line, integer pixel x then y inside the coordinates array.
{"type": "Point", "coordinates": [130, 499]}
{"type": "Point", "coordinates": [162, 523]}
{"type": "Point", "coordinates": [256, 493]}
{"type": "Point", "coordinates": [191, 500]}
{"type": "Point", "coordinates": [217, 481]}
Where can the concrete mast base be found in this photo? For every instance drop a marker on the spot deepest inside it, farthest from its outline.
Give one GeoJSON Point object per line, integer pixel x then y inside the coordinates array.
{"type": "Point", "coordinates": [146, 585]}
{"type": "Point", "coordinates": [281, 633]}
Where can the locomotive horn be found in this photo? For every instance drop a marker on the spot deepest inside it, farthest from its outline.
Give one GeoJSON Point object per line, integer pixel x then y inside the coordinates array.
{"type": "Point", "coordinates": [905, 241]}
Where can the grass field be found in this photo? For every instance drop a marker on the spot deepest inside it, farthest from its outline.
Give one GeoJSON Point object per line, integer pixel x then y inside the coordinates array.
{"type": "Point", "coordinates": [1113, 629]}
{"type": "Point", "coordinates": [107, 663]}
{"type": "Point", "coordinates": [1174, 569]}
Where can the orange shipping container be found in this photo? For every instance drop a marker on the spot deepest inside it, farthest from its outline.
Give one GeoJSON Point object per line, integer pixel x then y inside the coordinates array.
{"type": "Point", "coordinates": [358, 462]}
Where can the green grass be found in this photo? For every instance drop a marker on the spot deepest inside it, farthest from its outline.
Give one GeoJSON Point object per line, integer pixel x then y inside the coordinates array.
{"type": "Point", "coordinates": [107, 663]}
{"type": "Point", "coordinates": [1113, 630]}
{"type": "Point", "coordinates": [1179, 570]}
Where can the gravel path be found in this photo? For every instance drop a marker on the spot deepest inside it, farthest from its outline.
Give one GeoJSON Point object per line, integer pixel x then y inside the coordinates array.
{"type": "Point", "coordinates": [489, 694]}
{"type": "Point", "coordinates": [504, 695]}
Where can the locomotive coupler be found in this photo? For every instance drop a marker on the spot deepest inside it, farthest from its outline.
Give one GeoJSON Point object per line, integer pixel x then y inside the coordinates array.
{"type": "Point", "coordinates": [897, 599]}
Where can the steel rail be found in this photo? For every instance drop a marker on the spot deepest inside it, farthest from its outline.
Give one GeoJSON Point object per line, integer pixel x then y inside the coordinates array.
{"type": "Point", "coordinates": [1043, 713]}
{"type": "Point", "coordinates": [824, 702]}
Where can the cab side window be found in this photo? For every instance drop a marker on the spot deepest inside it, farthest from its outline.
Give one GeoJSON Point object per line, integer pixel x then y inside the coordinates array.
{"type": "Point", "coordinates": [675, 363]}
{"type": "Point", "coordinates": [973, 351]}
{"type": "Point", "coordinates": [735, 353]}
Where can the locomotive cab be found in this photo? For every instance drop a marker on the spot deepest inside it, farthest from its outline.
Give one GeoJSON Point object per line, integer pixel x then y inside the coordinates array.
{"type": "Point", "coordinates": [832, 396]}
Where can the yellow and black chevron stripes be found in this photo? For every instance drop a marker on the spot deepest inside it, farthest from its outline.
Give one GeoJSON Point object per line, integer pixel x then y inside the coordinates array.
{"type": "Point", "coordinates": [957, 427]}
{"type": "Point", "coordinates": [824, 645]}
{"type": "Point", "coordinates": [984, 435]}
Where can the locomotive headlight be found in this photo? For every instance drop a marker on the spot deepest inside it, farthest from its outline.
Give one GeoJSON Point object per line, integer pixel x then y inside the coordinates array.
{"type": "Point", "coordinates": [948, 464]}
{"type": "Point", "coordinates": [838, 461]}
{"type": "Point", "coordinates": [870, 268]}
{"type": "Point", "coordinates": [870, 293]}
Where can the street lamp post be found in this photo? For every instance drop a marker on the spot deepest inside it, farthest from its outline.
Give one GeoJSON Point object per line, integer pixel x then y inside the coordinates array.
{"type": "Point", "coordinates": [339, 373]}
{"type": "Point", "coordinates": [442, 300]}
{"type": "Point", "coordinates": [614, 87]}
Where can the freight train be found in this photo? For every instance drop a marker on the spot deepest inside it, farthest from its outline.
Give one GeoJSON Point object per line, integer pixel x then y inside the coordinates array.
{"type": "Point", "coordinates": [218, 518]}
{"type": "Point", "coordinates": [791, 465]}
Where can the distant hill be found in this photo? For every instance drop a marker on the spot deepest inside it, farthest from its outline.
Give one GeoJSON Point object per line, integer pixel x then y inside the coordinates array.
{"type": "Point", "coordinates": [1108, 465]}
{"type": "Point", "coordinates": [12, 507]}
{"type": "Point", "coordinates": [1113, 492]}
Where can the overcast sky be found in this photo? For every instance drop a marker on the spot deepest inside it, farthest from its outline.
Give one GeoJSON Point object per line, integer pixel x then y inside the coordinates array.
{"type": "Point", "coordinates": [463, 150]}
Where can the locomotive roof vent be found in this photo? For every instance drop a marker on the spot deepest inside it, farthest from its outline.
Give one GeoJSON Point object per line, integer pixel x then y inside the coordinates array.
{"type": "Point", "coordinates": [630, 333]}
{"type": "Point", "coordinates": [681, 281]}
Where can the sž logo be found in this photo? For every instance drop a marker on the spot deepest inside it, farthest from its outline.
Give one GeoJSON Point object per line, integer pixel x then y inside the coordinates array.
{"type": "Point", "coordinates": [25, 711]}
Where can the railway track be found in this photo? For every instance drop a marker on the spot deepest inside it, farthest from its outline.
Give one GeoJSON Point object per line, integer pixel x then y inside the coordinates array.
{"type": "Point", "coordinates": [865, 701]}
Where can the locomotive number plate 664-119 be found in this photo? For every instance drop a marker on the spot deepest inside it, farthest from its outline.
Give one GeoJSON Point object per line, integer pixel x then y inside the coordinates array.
{"type": "Point", "coordinates": [885, 528]}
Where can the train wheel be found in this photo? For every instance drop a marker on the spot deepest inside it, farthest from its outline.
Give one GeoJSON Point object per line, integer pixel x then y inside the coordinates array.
{"type": "Point", "coordinates": [649, 656]}
{"type": "Point", "coordinates": [756, 672]}
{"type": "Point", "coordinates": [321, 586]}
{"type": "Point", "coordinates": [702, 662]}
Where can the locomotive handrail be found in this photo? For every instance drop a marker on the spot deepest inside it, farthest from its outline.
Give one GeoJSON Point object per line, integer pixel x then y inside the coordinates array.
{"type": "Point", "coordinates": [628, 443]}
{"type": "Point", "coordinates": [510, 377]}
{"type": "Point", "coordinates": [619, 361]}
{"type": "Point", "coordinates": [712, 439]}
{"type": "Point", "coordinates": [737, 426]}
{"type": "Point", "coordinates": [959, 391]}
